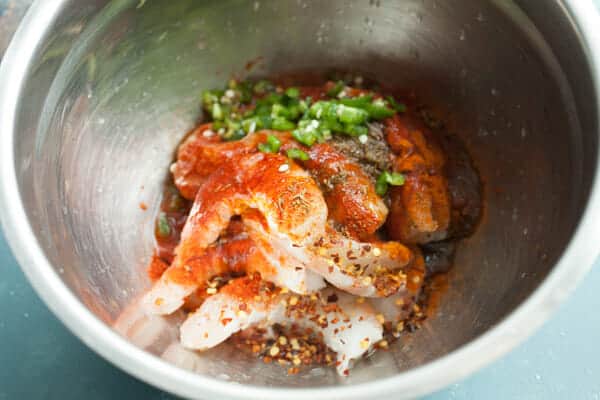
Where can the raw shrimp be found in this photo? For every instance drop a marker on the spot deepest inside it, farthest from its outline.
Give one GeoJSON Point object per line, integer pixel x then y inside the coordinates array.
{"type": "Point", "coordinates": [202, 152]}
{"type": "Point", "coordinates": [369, 269]}
{"type": "Point", "coordinates": [266, 186]}
{"type": "Point", "coordinates": [348, 190]}
{"type": "Point", "coordinates": [420, 209]}
{"type": "Point", "coordinates": [239, 304]}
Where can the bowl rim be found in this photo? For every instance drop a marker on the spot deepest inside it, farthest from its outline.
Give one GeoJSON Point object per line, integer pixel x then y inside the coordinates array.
{"type": "Point", "coordinates": [577, 259]}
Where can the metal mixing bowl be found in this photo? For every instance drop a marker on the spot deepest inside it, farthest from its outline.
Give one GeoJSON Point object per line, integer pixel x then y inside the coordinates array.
{"type": "Point", "coordinates": [95, 95]}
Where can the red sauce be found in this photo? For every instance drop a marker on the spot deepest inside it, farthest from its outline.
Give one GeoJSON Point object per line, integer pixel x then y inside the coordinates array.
{"type": "Point", "coordinates": [157, 267]}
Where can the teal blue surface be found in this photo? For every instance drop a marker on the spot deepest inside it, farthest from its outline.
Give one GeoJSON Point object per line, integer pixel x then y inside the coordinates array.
{"type": "Point", "coordinates": [40, 359]}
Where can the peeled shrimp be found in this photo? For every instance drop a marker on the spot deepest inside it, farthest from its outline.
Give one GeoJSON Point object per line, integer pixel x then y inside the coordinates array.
{"type": "Point", "coordinates": [420, 209]}
{"type": "Point", "coordinates": [369, 269]}
{"type": "Point", "coordinates": [267, 187]}
{"type": "Point", "coordinates": [203, 152]}
{"type": "Point", "coordinates": [348, 328]}
{"type": "Point", "coordinates": [374, 269]}
{"type": "Point", "coordinates": [241, 303]}
{"type": "Point", "coordinates": [348, 190]}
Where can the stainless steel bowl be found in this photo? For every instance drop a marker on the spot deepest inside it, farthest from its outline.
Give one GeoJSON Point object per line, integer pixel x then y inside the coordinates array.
{"type": "Point", "coordinates": [95, 95]}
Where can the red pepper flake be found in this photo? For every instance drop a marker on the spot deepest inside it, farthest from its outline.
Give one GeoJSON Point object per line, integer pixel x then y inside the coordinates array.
{"type": "Point", "coordinates": [346, 372]}
{"type": "Point", "coordinates": [225, 321]}
{"type": "Point", "coordinates": [143, 206]}
{"type": "Point", "coordinates": [330, 307]}
{"type": "Point", "coordinates": [243, 307]}
{"type": "Point", "coordinates": [332, 298]}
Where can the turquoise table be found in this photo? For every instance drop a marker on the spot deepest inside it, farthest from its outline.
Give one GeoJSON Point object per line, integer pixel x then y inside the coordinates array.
{"type": "Point", "coordinates": [40, 359]}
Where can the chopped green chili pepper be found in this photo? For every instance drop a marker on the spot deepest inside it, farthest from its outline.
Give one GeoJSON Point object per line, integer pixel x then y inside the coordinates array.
{"type": "Point", "coordinates": [282, 124]}
{"type": "Point", "coordinates": [216, 125]}
{"type": "Point", "coordinates": [378, 109]}
{"type": "Point", "coordinates": [273, 98]}
{"type": "Point", "coordinates": [381, 186]}
{"type": "Point", "coordinates": [332, 124]}
{"type": "Point", "coordinates": [355, 130]}
{"type": "Point", "coordinates": [262, 108]}
{"type": "Point", "coordinates": [309, 122]}
{"type": "Point", "coordinates": [331, 111]}
{"type": "Point", "coordinates": [297, 154]}
{"type": "Point", "coordinates": [209, 97]}
{"type": "Point", "coordinates": [252, 124]}
{"type": "Point", "coordinates": [291, 112]}
{"type": "Point", "coordinates": [163, 229]}
{"type": "Point", "coordinates": [388, 178]}
{"type": "Point", "coordinates": [351, 115]}
{"type": "Point", "coordinates": [232, 135]}
{"type": "Point", "coordinates": [326, 133]}
{"type": "Point", "coordinates": [400, 107]}
{"type": "Point", "coordinates": [217, 111]}
{"type": "Point", "coordinates": [334, 91]}
{"type": "Point", "coordinates": [232, 124]}
{"type": "Point", "coordinates": [308, 132]}
{"type": "Point", "coordinates": [360, 102]}
{"type": "Point", "coordinates": [266, 121]}
{"type": "Point", "coordinates": [294, 110]}
{"type": "Point", "coordinates": [279, 110]}
{"type": "Point", "coordinates": [306, 138]}
{"type": "Point", "coordinates": [292, 92]}
{"type": "Point", "coordinates": [272, 145]}
{"type": "Point", "coordinates": [304, 105]}
{"type": "Point", "coordinates": [395, 178]}
{"type": "Point", "coordinates": [263, 86]}
{"type": "Point", "coordinates": [318, 109]}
